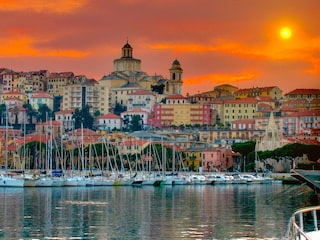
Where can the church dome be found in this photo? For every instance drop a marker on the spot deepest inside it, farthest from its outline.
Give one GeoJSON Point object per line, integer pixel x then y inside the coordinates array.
{"type": "Point", "coordinates": [176, 62]}
{"type": "Point", "coordinates": [127, 45]}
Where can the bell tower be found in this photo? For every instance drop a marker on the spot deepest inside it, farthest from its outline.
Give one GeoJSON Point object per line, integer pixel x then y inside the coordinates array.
{"type": "Point", "coordinates": [175, 78]}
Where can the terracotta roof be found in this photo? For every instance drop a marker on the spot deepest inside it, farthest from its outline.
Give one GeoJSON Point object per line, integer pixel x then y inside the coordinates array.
{"type": "Point", "coordinates": [110, 116]}
{"type": "Point", "coordinates": [304, 91]}
{"type": "Point", "coordinates": [177, 96]}
{"type": "Point", "coordinates": [65, 112]}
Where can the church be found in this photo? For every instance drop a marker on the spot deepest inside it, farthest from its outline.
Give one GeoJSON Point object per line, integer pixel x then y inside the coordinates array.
{"type": "Point", "coordinates": [128, 74]}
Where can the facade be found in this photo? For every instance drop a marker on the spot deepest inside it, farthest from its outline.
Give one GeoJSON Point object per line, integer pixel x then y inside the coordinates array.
{"type": "Point", "coordinates": [179, 111]}
{"type": "Point", "coordinates": [273, 92]}
{"type": "Point", "coordinates": [216, 159]}
{"type": "Point", "coordinates": [58, 80]}
{"type": "Point", "coordinates": [235, 109]}
{"type": "Point", "coordinates": [301, 93]}
{"type": "Point", "coordinates": [40, 98]}
{"type": "Point", "coordinates": [109, 122]}
{"type": "Point", "coordinates": [141, 99]}
{"type": "Point", "coordinates": [79, 95]}
{"type": "Point", "coordinates": [65, 118]}
{"type": "Point", "coordinates": [14, 95]}
{"type": "Point", "coordinates": [301, 122]}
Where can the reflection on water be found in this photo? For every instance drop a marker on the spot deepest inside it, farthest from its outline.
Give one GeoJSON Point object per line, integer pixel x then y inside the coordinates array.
{"type": "Point", "coordinates": [188, 212]}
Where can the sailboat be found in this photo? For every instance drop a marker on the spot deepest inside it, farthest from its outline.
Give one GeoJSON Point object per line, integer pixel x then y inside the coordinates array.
{"type": "Point", "coordinates": [5, 179]}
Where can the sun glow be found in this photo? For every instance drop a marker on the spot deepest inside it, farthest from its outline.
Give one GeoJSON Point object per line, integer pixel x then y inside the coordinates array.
{"type": "Point", "coordinates": [285, 33]}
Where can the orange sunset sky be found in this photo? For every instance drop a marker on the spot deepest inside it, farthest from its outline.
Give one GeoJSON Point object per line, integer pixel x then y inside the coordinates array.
{"type": "Point", "coordinates": [232, 41]}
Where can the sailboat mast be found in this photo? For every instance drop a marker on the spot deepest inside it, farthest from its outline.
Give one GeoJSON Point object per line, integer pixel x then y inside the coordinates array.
{"type": "Point", "coordinates": [7, 140]}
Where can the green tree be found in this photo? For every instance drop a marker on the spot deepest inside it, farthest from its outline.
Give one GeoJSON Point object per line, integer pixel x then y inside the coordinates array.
{"type": "Point", "coordinates": [30, 112]}
{"type": "Point", "coordinates": [2, 112]}
{"type": "Point", "coordinates": [83, 116]}
{"type": "Point", "coordinates": [44, 113]}
{"type": "Point", "coordinates": [56, 103]}
{"type": "Point", "coordinates": [136, 123]}
{"type": "Point", "coordinates": [15, 112]}
{"type": "Point", "coordinates": [119, 109]}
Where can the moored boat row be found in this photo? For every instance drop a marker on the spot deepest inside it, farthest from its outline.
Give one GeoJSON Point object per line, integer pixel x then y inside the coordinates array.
{"type": "Point", "coordinates": [127, 180]}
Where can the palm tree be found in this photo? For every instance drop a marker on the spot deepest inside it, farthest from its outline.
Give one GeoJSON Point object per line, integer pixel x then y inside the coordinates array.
{"type": "Point", "coordinates": [30, 112]}
{"type": "Point", "coordinates": [2, 111]}
{"type": "Point", "coordinates": [15, 112]}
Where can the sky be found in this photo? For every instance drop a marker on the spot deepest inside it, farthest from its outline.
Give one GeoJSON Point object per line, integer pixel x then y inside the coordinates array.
{"type": "Point", "coordinates": [235, 42]}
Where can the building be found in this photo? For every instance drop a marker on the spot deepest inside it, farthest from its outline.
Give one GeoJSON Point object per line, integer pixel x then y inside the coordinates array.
{"type": "Point", "coordinates": [302, 93]}
{"type": "Point", "coordinates": [179, 111]}
{"type": "Point", "coordinates": [65, 118]}
{"type": "Point", "coordinates": [39, 98]}
{"type": "Point", "coordinates": [81, 94]}
{"type": "Point", "coordinates": [128, 76]}
{"type": "Point", "coordinates": [235, 109]}
{"type": "Point", "coordinates": [274, 92]}
{"type": "Point", "coordinates": [128, 115]}
{"type": "Point", "coordinates": [141, 99]}
{"type": "Point", "coordinates": [109, 122]}
{"type": "Point", "coordinates": [58, 80]}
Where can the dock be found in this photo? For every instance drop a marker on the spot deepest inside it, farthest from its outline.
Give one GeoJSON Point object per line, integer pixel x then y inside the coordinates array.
{"type": "Point", "coordinates": [310, 177]}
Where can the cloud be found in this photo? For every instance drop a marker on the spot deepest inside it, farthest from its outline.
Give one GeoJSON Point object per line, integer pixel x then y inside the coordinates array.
{"type": "Point", "coordinates": [23, 46]}
{"type": "Point", "coordinates": [58, 6]}
{"type": "Point", "coordinates": [219, 78]}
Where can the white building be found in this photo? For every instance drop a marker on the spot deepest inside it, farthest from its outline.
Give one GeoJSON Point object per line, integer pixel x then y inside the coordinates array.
{"type": "Point", "coordinates": [109, 122]}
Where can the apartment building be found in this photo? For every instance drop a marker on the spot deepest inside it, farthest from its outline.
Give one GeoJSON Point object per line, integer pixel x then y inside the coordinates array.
{"type": "Point", "coordinates": [274, 92]}
{"type": "Point", "coordinates": [58, 80]}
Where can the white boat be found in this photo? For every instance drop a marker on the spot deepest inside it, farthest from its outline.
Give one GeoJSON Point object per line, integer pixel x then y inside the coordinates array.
{"type": "Point", "coordinates": [8, 181]}
{"type": "Point", "coordinates": [30, 180]}
{"type": "Point", "coordinates": [57, 181]}
{"type": "Point", "coordinates": [303, 224]}
{"type": "Point", "coordinates": [44, 182]}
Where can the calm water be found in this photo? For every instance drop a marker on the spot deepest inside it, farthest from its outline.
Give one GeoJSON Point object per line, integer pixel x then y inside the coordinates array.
{"type": "Point", "coordinates": [178, 212]}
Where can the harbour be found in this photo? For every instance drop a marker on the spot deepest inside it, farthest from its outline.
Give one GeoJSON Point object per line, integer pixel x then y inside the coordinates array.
{"type": "Point", "coordinates": [226, 211]}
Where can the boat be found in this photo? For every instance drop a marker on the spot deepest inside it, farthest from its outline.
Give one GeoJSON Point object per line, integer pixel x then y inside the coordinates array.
{"type": "Point", "coordinates": [6, 179]}
{"type": "Point", "coordinates": [303, 224]}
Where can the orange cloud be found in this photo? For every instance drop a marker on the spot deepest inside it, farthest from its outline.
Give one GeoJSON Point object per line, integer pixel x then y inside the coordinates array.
{"type": "Point", "coordinates": [59, 6]}
{"type": "Point", "coordinates": [221, 78]}
{"type": "Point", "coordinates": [17, 47]}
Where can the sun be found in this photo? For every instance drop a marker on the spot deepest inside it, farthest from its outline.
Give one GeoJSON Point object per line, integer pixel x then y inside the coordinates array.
{"type": "Point", "coordinates": [285, 33]}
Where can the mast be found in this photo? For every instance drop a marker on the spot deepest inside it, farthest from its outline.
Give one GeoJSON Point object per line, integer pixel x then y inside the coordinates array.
{"type": "Point", "coordinates": [7, 140]}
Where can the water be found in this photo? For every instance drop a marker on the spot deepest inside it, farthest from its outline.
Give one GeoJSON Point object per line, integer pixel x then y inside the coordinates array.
{"type": "Point", "coordinates": [179, 212]}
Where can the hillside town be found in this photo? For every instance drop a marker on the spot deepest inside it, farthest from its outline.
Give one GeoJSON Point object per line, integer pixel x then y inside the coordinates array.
{"type": "Point", "coordinates": [134, 110]}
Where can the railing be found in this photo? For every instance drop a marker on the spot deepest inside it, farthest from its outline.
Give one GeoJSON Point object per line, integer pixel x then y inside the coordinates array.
{"type": "Point", "coordinates": [303, 222]}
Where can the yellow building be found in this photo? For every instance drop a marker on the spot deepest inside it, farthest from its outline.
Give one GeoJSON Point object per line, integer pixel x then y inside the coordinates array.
{"type": "Point", "coordinates": [273, 92]}
{"type": "Point", "coordinates": [179, 111]}
{"type": "Point", "coordinates": [56, 82]}
{"type": "Point", "coordinates": [14, 95]}
{"type": "Point", "coordinates": [235, 109]}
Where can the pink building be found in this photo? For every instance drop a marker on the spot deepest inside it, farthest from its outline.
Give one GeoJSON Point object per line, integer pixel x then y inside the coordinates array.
{"type": "Point", "coordinates": [218, 159]}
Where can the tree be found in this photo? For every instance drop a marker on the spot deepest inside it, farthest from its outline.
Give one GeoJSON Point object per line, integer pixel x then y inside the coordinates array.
{"type": "Point", "coordinates": [15, 112]}
{"type": "Point", "coordinates": [56, 103]}
{"type": "Point", "coordinates": [83, 116]}
{"type": "Point", "coordinates": [2, 112]}
{"type": "Point", "coordinates": [44, 113]}
{"type": "Point", "coordinates": [136, 123]}
{"type": "Point", "coordinates": [30, 112]}
{"type": "Point", "coordinates": [119, 109]}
